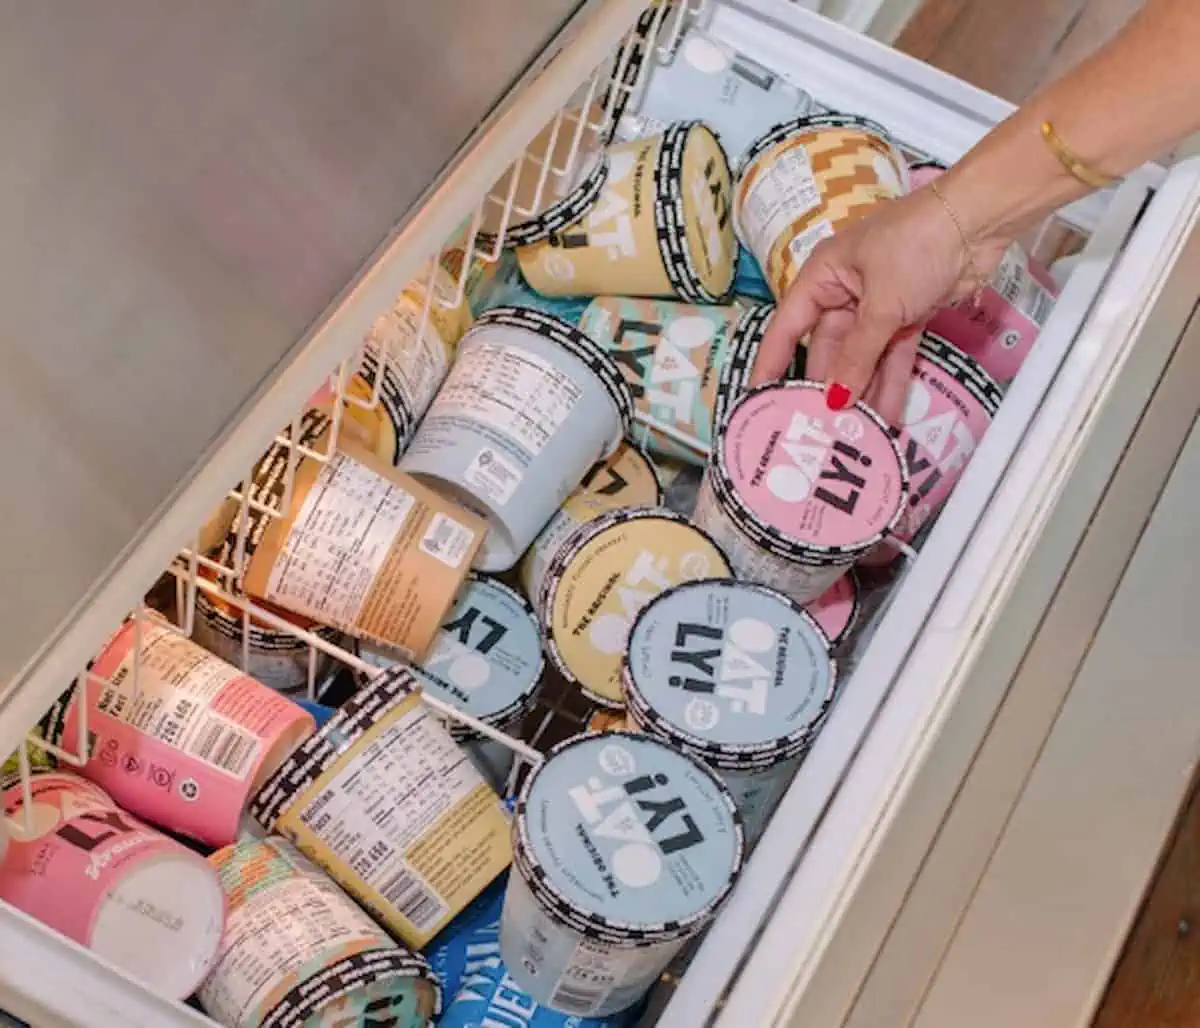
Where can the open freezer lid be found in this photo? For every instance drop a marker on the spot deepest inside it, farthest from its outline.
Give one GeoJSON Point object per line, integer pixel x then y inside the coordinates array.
{"type": "Point", "coordinates": [188, 198]}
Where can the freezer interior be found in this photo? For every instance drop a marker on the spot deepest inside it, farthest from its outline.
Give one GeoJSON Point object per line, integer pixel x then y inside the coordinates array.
{"type": "Point", "coordinates": [930, 595]}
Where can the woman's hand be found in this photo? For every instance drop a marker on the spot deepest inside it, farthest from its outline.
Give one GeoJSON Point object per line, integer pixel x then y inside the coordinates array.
{"type": "Point", "coordinates": [864, 295]}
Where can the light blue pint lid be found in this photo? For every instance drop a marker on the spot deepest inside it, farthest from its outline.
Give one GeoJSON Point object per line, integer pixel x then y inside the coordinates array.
{"type": "Point", "coordinates": [731, 671]}
{"type": "Point", "coordinates": [487, 658]}
{"type": "Point", "coordinates": [625, 833]}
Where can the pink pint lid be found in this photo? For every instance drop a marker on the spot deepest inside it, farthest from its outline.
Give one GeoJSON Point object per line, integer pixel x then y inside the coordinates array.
{"type": "Point", "coordinates": [84, 867]}
{"type": "Point", "coordinates": [825, 485]}
{"type": "Point", "coordinates": [190, 746]}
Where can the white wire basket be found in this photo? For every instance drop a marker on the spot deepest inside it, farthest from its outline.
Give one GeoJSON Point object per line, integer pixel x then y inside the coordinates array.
{"type": "Point", "coordinates": [550, 165]}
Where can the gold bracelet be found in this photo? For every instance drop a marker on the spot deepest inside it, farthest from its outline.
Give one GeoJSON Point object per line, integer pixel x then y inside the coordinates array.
{"type": "Point", "coordinates": [1078, 169]}
{"type": "Point", "coordinates": [980, 278]}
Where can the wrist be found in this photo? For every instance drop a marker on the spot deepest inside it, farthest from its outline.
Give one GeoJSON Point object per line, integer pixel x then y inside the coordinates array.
{"type": "Point", "coordinates": [1010, 181]}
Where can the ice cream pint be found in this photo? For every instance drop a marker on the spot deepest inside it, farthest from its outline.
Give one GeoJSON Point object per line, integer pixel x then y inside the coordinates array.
{"type": "Point", "coordinates": [276, 658]}
{"type": "Point", "coordinates": [104, 879]}
{"type": "Point", "coordinates": [187, 746]}
{"type": "Point", "coordinates": [237, 542]}
{"type": "Point", "coordinates": [661, 227]}
{"type": "Point", "coordinates": [608, 571]}
{"type": "Point", "coordinates": [674, 358]}
{"type": "Point", "coordinates": [804, 180]}
{"type": "Point", "coordinates": [487, 661]}
{"type": "Point", "coordinates": [950, 405]}
{"type": "Point", "coordinates": [836, 610]}
{"type": "Point", "coordinates": [490, 997]}
{"type": "Point", "coordinates": [367, 550]}
{"type": "Point", "coordinates": [415, 342]}
{"type": "Point", "coordinates": [530, 405]}
{"type": "Point", "coordinates": [1000, 326]}
{"type": "Point", "coordinates": [297, 951]}
{"type": "Point", "coordinates": [623, 850]}
{"type": "Point", "coordinates": [623, 480]}
{"type": "Point", "coordinates": [737, 676]}
{"type": "Point", "coordinates": [385, 802]}
{"type": "Point", "coordinates": [738, 98]}
{"type": "Point", "coordinates": [796, 493]}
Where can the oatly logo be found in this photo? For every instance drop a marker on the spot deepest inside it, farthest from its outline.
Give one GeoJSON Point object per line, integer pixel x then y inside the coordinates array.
{"type": "Point", "coordinates": [935, 445]}
{"type": "Point", "coordinates": [725, 664]}
{"type": "Point", "coordinates": [667, 373]}
{"type": "Point", "coordinates": [646, 578]}
{"type": "Point", "coordinates": [610, 223]}
{"type": "Point", "coordinates": [642, 814]}
{"type": "Point", "coordinates": [458, 657]}
{"type": "Point", "coordinates": [817, 465]}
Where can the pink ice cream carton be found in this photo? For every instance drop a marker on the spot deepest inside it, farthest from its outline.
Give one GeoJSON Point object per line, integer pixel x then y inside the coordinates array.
{"type": "Point", "coordinates": [84, 867]}
{"type": "Point", "coordinates": [950, 405]}
{"type": "Point", "coordinates": [1000, 327]}
{"type": "Point", "coordinates": [189, 748]}
{"type": "Point", "coordinates": [795, 493]}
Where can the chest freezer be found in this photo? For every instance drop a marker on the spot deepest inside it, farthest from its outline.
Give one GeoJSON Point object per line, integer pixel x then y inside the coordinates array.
{"type": "Point", "coordinates": [205, 210]}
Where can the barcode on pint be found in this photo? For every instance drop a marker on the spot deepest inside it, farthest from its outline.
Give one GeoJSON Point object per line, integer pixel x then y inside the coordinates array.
{"type": "Point", "coordinates": [224, 745]}
{"type": "Point", "coordinates": [578, 998]}
{"type": "Point", "coordinates": [410, 897]}
{"type": "Point", "coordinates": [1024, 292]}
{"type": "Point", "coordinates": [446, 540]}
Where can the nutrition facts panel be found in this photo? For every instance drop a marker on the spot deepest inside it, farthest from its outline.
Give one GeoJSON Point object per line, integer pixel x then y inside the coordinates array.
{"type": "Point", "coordinates": [521, 395]}
{"type": "Point", "coordinates": [338, 542]}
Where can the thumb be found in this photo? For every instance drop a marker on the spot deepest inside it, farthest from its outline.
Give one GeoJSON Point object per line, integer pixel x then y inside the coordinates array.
{"type": "Point", "coordinates": [861, 348]}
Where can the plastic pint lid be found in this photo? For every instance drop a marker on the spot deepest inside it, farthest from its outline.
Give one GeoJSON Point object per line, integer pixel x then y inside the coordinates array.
{"type": "Point", "coordinates": [967, 371]}
{"type": "Point", "coordinates": [559, 215]}
{"type": "Point", "coordinates": [635, 838]}
{"type": "Point", "coordinates": [627, 477]}
{"type": "Point", "coordinates": [676, 243]}
{"type": "Point", "coordinates": [337, 735]}
{"type": "Point", "coordinates": [731, 670]}
{"type": "Point", "coordinates": [823, 484]}
{"type": "Point", "coordinates": [602, 577]}
{"type": "Point", "coordinates": [487, 659]}
{"type": "Point", "coordinates": [576, 343]}
{"type": "Point", "coordinates": [813, 123]}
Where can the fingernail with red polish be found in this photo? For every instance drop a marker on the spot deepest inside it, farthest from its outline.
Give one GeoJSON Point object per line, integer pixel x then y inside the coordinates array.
{"type": "Point", "coordinates": [837, 396]}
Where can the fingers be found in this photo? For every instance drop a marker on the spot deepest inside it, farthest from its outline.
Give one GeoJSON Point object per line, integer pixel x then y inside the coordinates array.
{"type": "Point", "coordinates": [861, 349]}
{"type": "Point", "coordinates": [817, 289]}
{"type": "Point", "coordinates": [793, 319]}
{"type": "Point", "coordinates": [893, 376]}
{"type": "Point", "coordinates": [825, 341]}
